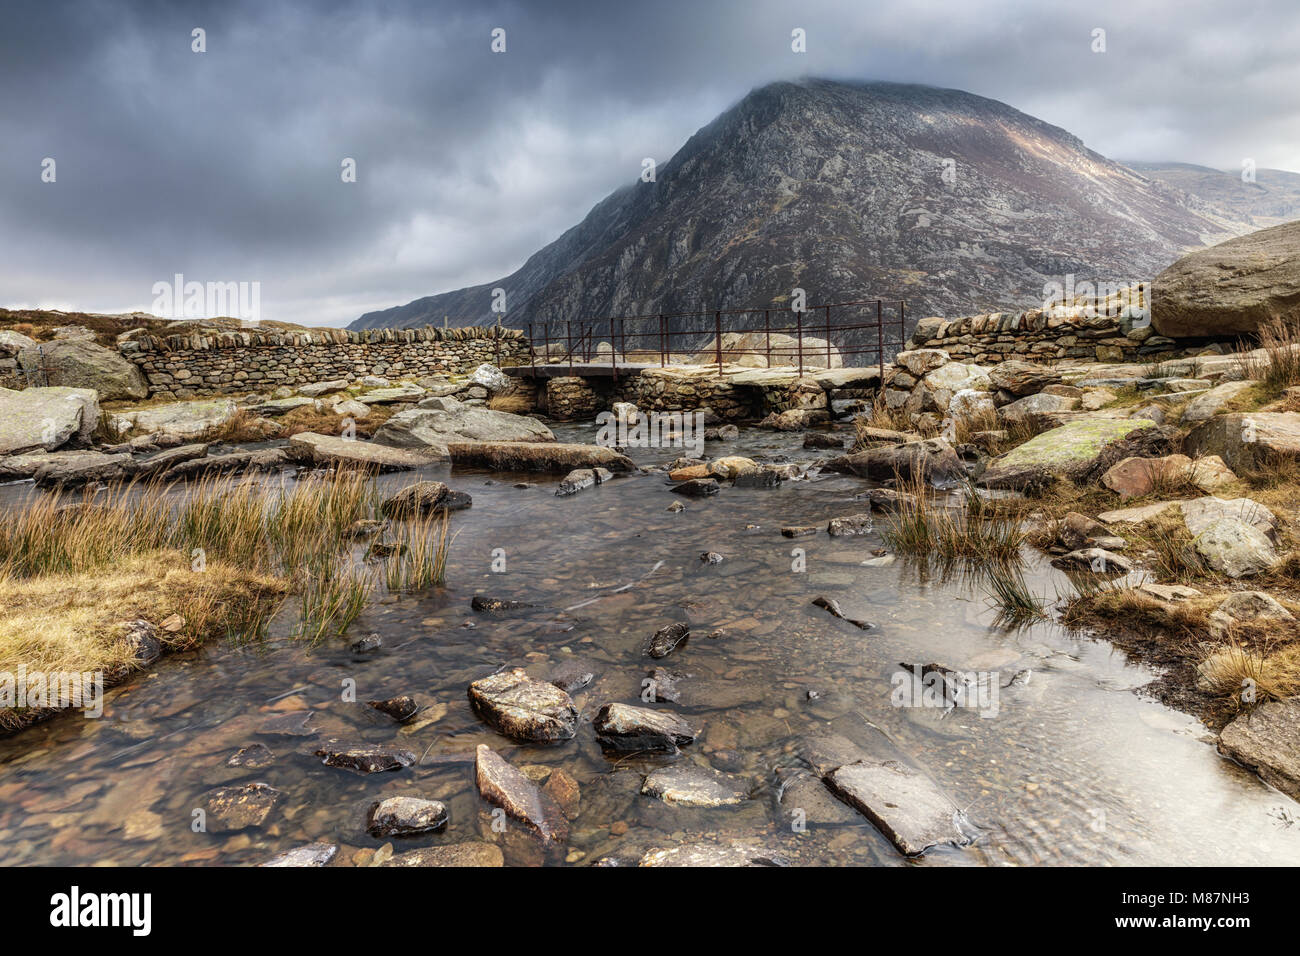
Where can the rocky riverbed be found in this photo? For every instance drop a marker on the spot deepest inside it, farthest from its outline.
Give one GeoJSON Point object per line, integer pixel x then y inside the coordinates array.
{"type": "Point", "coordinates": [779, 729]}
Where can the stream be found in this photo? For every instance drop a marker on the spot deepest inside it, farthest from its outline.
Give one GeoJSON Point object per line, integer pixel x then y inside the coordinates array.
{"type": "Point", "coordinates": [1073, 767]}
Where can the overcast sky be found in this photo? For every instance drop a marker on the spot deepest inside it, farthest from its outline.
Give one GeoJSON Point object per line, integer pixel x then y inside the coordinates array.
{"type": "Point", "coordinates": [225, 165]}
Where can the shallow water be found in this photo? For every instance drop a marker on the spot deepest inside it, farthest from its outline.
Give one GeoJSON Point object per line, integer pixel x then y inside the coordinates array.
{"type": "Point", "coordinates": [1074, 767]}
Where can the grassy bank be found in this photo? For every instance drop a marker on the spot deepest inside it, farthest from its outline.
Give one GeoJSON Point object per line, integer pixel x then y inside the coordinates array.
{"type": "Point", "coordinates": [214, 560]}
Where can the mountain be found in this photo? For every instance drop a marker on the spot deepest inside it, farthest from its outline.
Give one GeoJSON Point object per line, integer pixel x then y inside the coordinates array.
{"type": "Point", "coordinates": [839, 189]}
{"type": "Point", "coordinates": [1270, 200]}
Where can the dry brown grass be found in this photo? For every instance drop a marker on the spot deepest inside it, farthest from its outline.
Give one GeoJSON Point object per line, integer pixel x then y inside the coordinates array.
{"type": "Point", "coordinates": [1279, 368]}
{"type": "Point", "coordinates": [516, 401]}
{"type": "Point", "coordinates": [975, 531]}
{"type": "Point", "coordinates": [882, 416]}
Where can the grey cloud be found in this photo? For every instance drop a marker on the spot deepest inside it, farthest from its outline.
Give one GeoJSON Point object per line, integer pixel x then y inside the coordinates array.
{"type": "Point", "coordinates": [225, 165]}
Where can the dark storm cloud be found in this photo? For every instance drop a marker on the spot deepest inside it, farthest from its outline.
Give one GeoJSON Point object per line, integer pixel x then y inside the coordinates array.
{"type": "Point", "coordinates": [225, 165]}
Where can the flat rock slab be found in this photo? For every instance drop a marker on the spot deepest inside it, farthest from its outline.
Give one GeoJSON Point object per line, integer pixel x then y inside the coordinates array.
{"type": "Point", "coordinates": [691, 786]}
{"type": "Point", "coordinates": [624, 727]}
{"type": "Point", "coordinates": [561, 457]}
{"type": "Point", "coordinates": [505, 786]}
{"type": "Point", "coordinates": [317, 449]}
{"type": "Point", "coordinates": [525, 709]}
{"type": "Point", "coordinates": [906, 806]}
{"type": "Point", "coordinates": [1246, 440]}
{"type": "Point", "coordinates": [179, 419]}
{"type": "Point", "coordinates": [471, 853]}
{"type": "Point", "coordinates": [1267, 740]}
{"type": "Point", "coordinates": [1068, 451]}
{"type": "Point", "coordinates": [804, 800]}
{"type": "Point", "coordinates": [312, 854]}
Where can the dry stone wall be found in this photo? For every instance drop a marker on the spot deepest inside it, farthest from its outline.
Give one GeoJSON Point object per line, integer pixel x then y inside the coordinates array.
{"type": "Point", "coordinates": [184, 366]}
{"type": "Point", "coordinates": [1038, 336]}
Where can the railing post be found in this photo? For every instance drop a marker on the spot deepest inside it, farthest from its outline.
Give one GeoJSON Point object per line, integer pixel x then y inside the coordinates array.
{"type": "Point", "coordinates": [828, 336]}
{"type": "Point", "coordinates": [717, 336]}
{"type": "Point", "coordinates": [902, 322]}
{"type": "Point", "coordinates": [569, 330]}
{"type": "Point", "coordinates": [613, 350]}
{"type": "Point", "coordinates": [662, 342]}
{"type": "Point", "coordinates": [767, 335]}
{"type": "Point", "coordinates": [880, 343]}
{"type": "Point", "coordinates": [532, 351]}
{"type": "Point", "coordinates": [798, 318]}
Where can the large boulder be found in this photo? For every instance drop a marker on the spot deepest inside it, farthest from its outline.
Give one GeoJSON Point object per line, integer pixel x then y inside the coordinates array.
{"type": "Point", "coordinates": [1028, 409]}
{"type": "Point", "coordinates": [315, 449]}
{"type": "Point", "coordinates": [46, 418]}
{"type": "Point", "coordinates": [1206, 405]}
{"type": "Point", "coordinates": [178, 420]}
{"type": "Point", "coordinates": [1246, 440]}
{"type": "Point", "coordinates": [1022, 378]}
{"type": "Point", "coordinates": [452, 421]}
{"type": "Point", "coordinates": [1230, 288]}
{"type": "Point", "coordinates": [1267, 740]}
{"type": "Point", "coordinates": [1070, 451]}
{"type": "Point", "coordinates": [77, 363]}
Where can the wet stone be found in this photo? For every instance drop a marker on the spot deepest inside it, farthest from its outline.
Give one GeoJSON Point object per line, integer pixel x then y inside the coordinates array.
{"type": "Point", "coordinates": [229, 809]}
{"type": "Point", "coordinates": [405, 816]}
{"type": "Point", "coordinates": [691, 786]}
{"type": "Point", "coordinates": [624, 727]}
{"type": "Point", "coordinates": [667, 639]}
{"type": "Point", "coordinates": [472, 853]}
{"type": "Point", "coordinates": [799, 531]}
{"type": "Point", "coordinates": [849, 525]}
{"type": "Point", "coordinates": [254, 757]}
{"type": "Point", "coordinates": [505, 786]}
{"type": "Point", "coordinates": [313, 854]}
{"type": "Point", "coordinates": [293, 724]}
{"type": "Point", "coordinates": [697, 487]}
{"type": "Point", "coordinates": [572, 675]}
{"type": "Point", "coordinates": [401, 709]}
{"type": "Point", "coordinates": [833, 607]}
{"type": "Point", "coordinates": [561, 787]}
{"type": "Point", "coordinates": [365, 759]}
{"type": "Point", "coordinates": [711, 557]}
{"type": "Point", "coordinates": [904, 804]}
{"type": "Point", "coordinates": [367, 644]}
{"type": "Point", "coordinates": [805, 800]}
{"type": "Point", "coordinates": [522, 708]}
{"type": "Point", "coordinates": [481, 602]}
{"type": "Point", "coordinates": [709, 854]}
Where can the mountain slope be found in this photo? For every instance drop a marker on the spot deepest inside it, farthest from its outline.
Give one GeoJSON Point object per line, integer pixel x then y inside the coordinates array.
{"type": "Point", "coordinates": [839, 189]}
{"type": "Point", "coordinates": [1272, 199]}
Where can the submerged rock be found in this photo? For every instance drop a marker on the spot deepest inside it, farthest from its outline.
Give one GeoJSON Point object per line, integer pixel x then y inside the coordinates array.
{"type": "Point", "coordinates": [850, 525]}
{"type": "Point", "coordinates": [624, 727]}
{"type": "Point", "coordinates": [254, 756]}
{"type": "Point", "coordinates": [504, 786]}
{"type": "Point", "coordinates": [1097, 560]}
{"type": "Point", "coordinates": [483, 603]}
{"type": "Point", "coordinates": [906, 806]}
{"type": "Point", "coordinates": [236, 808]}
{"type": "Point", "coordinates": [692, 786]}
{"type": "Point", "coordinates": [522, 708]}
{"type": "Point", "coordinates": [709, 854]}
{"type": "Point", "coordinates": [313, 854]}
{"type": "Point", "coordinates": [400, 709]}
{"type": "Point", "coordinates": [833, 606]}
{"type": "Point", "coordinates": [932, 460]}
{"type": "Point", "coordinates": [471, 853]}
{"type": "Point", "coordinates": [405, 816]}
{"type": "Point", "coordinates": [667, 639]}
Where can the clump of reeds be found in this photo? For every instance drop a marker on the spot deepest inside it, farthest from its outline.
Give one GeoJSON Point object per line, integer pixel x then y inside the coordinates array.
{"type": "Point", "coordinates": [1014, 599]}
{"type": "Point", "coordinates": [1279, 367]}
{"type": "Point", "coordinates": [334, 593]}
{"type": "Point", "coordinates": [419, 557]}
{"type": "Point", "coordinates": [976, 531]}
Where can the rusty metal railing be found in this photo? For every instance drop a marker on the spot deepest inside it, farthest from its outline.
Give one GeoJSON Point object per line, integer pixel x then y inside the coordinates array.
{"type": "Point", "coordinates": [679, 337]}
